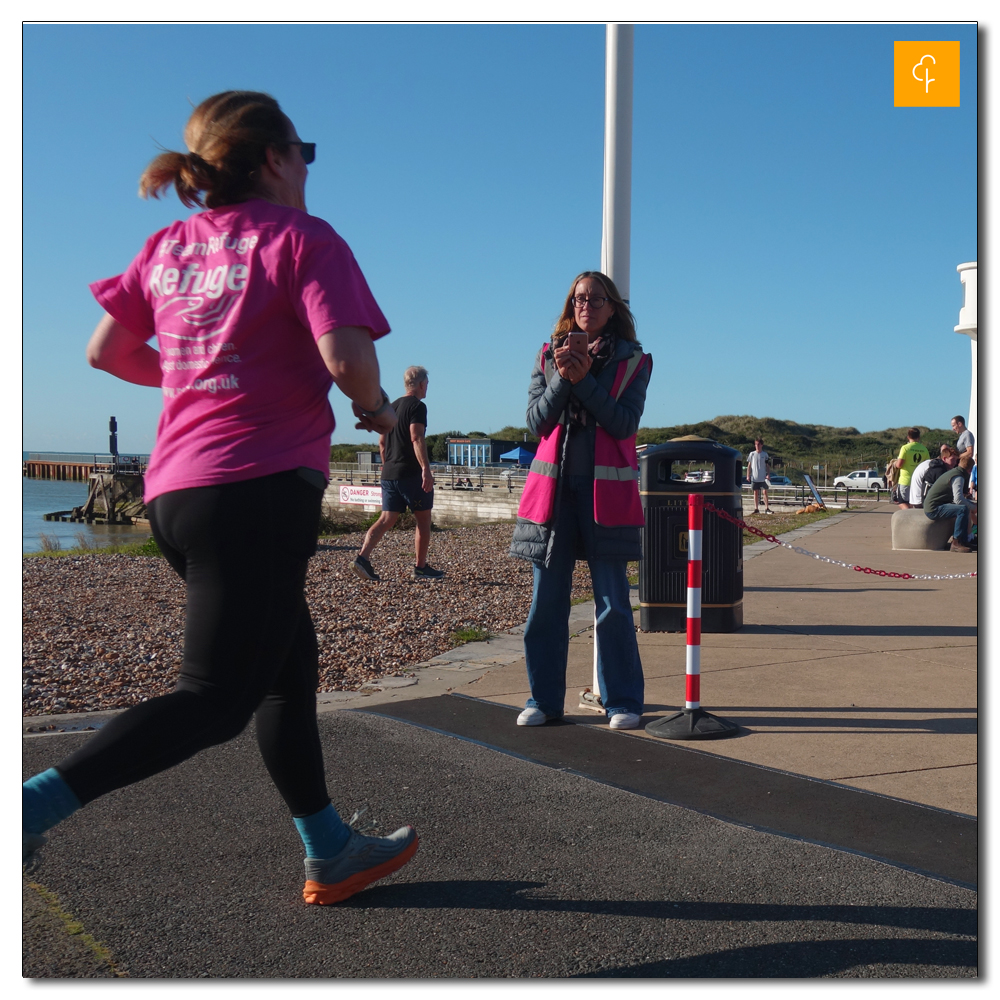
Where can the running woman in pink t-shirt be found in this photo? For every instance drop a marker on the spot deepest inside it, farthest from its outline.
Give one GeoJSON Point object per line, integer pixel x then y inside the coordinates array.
{"type": "Point", "coordinates": [257, 309]}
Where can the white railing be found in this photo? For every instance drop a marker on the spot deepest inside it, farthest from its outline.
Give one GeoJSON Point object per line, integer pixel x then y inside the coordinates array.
{"type": "Point", "coordinates": [801, 495]}
{"type": "Point", "coordinates": [447, 477]}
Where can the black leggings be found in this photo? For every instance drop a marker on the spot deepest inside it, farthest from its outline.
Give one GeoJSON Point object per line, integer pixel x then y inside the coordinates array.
{"type": "Point", "coordinates": [249, 643]}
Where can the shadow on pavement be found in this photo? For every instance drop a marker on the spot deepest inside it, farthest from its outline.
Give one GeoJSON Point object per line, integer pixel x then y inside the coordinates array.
{"type": "Point", "coordinates": [849, 726]}
{"type": "Point", "coordinates": [920, 838]}
{"type": "Point", "coordinates": [833, 590]}
{"type": "Point", "coordinates": [845, 709]}
{"type": "Point", "coordinates": [803, 959]}
{"type": "Point", "coordinates": [506, 894]}
{"type": "Point", "coordinates": [933, 631]}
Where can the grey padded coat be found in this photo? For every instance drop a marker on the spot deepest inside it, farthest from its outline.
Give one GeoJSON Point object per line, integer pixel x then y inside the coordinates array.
{"type": "Point", "coordinates": [547, 402]}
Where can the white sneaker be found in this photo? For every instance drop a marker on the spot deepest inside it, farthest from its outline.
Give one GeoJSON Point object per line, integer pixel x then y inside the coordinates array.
{"type": "Point", "coordinates": [625, 720]}
{"type": "Point", "coordinates": [532, 717]}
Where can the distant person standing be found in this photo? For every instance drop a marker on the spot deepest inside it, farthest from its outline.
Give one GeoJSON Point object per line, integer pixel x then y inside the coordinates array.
{"type": "Point", "coordinates": [406, 478]}
{"type": "Point", "coordinates": [581, 498]}
{"type": "Point", "coordinates": [910, 456]}
{"type": "Point", "coordinates": [757, 467]}
{"type": "Point", "coordinates": [966, 439]}
{"type": "Point", "coordinates": [892, 479]}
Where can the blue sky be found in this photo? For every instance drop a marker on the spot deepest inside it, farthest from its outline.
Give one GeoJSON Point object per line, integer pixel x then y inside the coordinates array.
{"type": "Point", "coordinates": [794, 236]}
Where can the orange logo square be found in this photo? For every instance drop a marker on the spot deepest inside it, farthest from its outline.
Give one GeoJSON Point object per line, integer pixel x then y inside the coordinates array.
{"type": "Point", "coordinates": [925, 74]}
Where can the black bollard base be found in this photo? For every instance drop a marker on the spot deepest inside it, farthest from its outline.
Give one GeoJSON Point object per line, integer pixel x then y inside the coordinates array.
{"type": "Point", "coordinates": [692, 724]}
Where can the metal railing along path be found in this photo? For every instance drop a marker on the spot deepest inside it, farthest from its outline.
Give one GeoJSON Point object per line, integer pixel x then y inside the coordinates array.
{"type": "Point", "coordinates": [453, 477]}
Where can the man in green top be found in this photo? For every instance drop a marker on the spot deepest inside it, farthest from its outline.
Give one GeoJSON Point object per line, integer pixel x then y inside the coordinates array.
{"type": "Point", "coordinates": [910, 456]}
{"type": "Point", "coordinates": [946, 498]}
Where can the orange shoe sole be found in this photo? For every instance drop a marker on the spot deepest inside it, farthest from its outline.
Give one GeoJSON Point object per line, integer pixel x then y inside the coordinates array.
{"type": "Point", "coordinates": [317, 892]}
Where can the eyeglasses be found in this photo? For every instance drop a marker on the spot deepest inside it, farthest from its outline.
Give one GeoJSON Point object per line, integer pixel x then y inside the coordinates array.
{"type": "Point", "coordinates": [308, 149]}
{"type": "Point", "coordinates": [596, 302]}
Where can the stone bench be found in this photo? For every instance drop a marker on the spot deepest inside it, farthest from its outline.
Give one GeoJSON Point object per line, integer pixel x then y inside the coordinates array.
{"type": "Point", "coordinates": [913, 529]}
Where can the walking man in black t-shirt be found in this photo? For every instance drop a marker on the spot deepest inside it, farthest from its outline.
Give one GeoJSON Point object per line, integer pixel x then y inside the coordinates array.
{"type": "Point", "coordinates": [406, 478]}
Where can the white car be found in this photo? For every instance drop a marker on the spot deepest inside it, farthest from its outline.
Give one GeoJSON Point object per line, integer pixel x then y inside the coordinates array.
{"type": "Point", "coordinates": [862, 479]}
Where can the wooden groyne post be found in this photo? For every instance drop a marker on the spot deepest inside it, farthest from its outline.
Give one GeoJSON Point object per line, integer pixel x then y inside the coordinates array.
{"type": "Point", "coordinates": [116, 483]}
{"type": "Point", "coordinates": [39, 468]}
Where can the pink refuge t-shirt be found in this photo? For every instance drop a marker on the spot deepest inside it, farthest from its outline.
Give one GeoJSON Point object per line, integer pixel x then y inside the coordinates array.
{"type": "Point", "coordinates": [237, 297]}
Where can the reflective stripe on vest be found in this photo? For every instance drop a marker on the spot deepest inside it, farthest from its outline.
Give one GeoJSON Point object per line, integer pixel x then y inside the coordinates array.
{"type": "Point", "coordinates": [539, 497]}
{"type": "Point", "coordinates": [625, 374]}
{"type": "Point", "coordinates": [544, 468]}
{"type": "Point", "coordinates": [614, 472]}
{"type": "Point", "coordinates": [616, 487]}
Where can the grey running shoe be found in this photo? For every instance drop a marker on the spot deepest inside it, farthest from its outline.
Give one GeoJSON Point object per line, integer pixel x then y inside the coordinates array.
{"type": "Point", "coordinates": [364, 860]}
{"type": "Point", "coordinates": [30, 845]}
{"type": "Point", "coordinates": [427, 572]}
{"type": "Point", "coordinates": [363, 568]}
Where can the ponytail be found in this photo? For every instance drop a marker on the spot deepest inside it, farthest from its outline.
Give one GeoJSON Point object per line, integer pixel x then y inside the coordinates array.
{"type": "Point", "coordinates": [227, 136]}
{"type": "Point", "coordinates": [188, 173]}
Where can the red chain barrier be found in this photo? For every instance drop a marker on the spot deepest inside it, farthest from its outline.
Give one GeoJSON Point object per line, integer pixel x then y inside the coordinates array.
{"type": "Point", "coordinates": [726, 516]}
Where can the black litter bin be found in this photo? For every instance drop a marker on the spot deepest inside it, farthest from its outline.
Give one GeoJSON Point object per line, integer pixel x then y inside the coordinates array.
{"type": "Point", "coordinates": [667, 474]}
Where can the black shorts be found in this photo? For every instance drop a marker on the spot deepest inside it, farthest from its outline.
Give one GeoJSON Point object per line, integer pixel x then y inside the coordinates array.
{"type": "Point", "coordinates": [757, 487]}
{"type": "Point", "coordinates": [398, 494]}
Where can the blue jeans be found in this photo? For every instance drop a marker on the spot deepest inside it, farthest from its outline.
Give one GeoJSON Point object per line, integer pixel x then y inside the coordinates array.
{"type": "Point", "coordinates": [956, 510]}
{"type": "Point", "coordinates": [546, 634]}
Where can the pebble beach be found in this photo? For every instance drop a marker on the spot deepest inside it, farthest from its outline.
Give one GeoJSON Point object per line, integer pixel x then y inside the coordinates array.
{"type": "Point", "coordinates": [106, 631]}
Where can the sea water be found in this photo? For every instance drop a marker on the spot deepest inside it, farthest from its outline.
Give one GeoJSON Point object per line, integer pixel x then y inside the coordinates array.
{"type": "Point", "coordinates": [44, 496]}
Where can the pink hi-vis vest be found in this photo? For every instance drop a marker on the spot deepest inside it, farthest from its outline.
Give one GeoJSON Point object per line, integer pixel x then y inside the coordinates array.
{"type": "Point", "coordinates": [616, 486]}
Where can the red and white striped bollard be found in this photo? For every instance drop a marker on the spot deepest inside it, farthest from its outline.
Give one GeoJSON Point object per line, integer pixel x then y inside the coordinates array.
{"type": "Point", "coordinates": [696, 513]}
{"type": "Point", "coordinates": [693, 723]}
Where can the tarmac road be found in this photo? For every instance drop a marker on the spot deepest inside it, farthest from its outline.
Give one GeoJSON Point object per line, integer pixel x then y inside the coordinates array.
{"type": "Point", "coordinates": [523, 871]}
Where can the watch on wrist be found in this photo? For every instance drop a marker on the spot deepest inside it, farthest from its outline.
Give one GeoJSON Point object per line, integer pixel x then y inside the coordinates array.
{"type": "Point", "coordinates": [371, 414]}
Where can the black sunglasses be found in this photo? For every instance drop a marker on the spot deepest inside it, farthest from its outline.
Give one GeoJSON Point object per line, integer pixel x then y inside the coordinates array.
{"type": "Point", "coordinates": [308, 149]}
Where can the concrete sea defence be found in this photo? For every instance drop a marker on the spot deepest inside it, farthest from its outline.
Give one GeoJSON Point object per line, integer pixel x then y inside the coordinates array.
{"type": "Point", "coordinates": [488, 501]}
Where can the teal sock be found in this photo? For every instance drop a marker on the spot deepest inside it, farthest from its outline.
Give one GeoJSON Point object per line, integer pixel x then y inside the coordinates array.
{"type": "Point", "coordinates": [46, 800]}
{"type": "Point", "coordinates": [324, 834]}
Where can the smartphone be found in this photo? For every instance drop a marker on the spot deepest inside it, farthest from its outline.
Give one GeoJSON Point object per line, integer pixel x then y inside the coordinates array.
{"type": "Point", "coordinates": [577, 342]}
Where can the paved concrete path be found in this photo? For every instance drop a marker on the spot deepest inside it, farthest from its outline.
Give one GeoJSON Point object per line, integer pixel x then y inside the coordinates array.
{"type": "Point", "coordinates": [523, 871]}
{"type": "Point", "coordinates": [866, 681]}
{"type": "Point", "coordinates": [577, 854]}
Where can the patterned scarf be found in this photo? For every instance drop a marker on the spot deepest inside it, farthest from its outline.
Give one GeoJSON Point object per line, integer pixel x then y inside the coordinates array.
{"type": "Point", "coordinates": [601, 352]}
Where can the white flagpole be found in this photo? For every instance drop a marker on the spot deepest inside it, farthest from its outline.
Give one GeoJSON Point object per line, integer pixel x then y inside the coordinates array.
{"type": "Point", "coordinates": [617, 232]}
{"type": "Point", "coordinates": [617, 229]}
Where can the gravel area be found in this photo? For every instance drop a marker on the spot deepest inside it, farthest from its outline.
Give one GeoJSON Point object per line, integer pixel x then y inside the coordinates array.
{"type": "Point", "coordinates": [106, 631]}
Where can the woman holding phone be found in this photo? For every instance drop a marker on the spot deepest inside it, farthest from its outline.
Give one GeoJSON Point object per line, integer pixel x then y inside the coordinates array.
{"type": "Point", "coordinates": [581, 497]}
{"type": "Point", "coordinates": [257, 308]}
